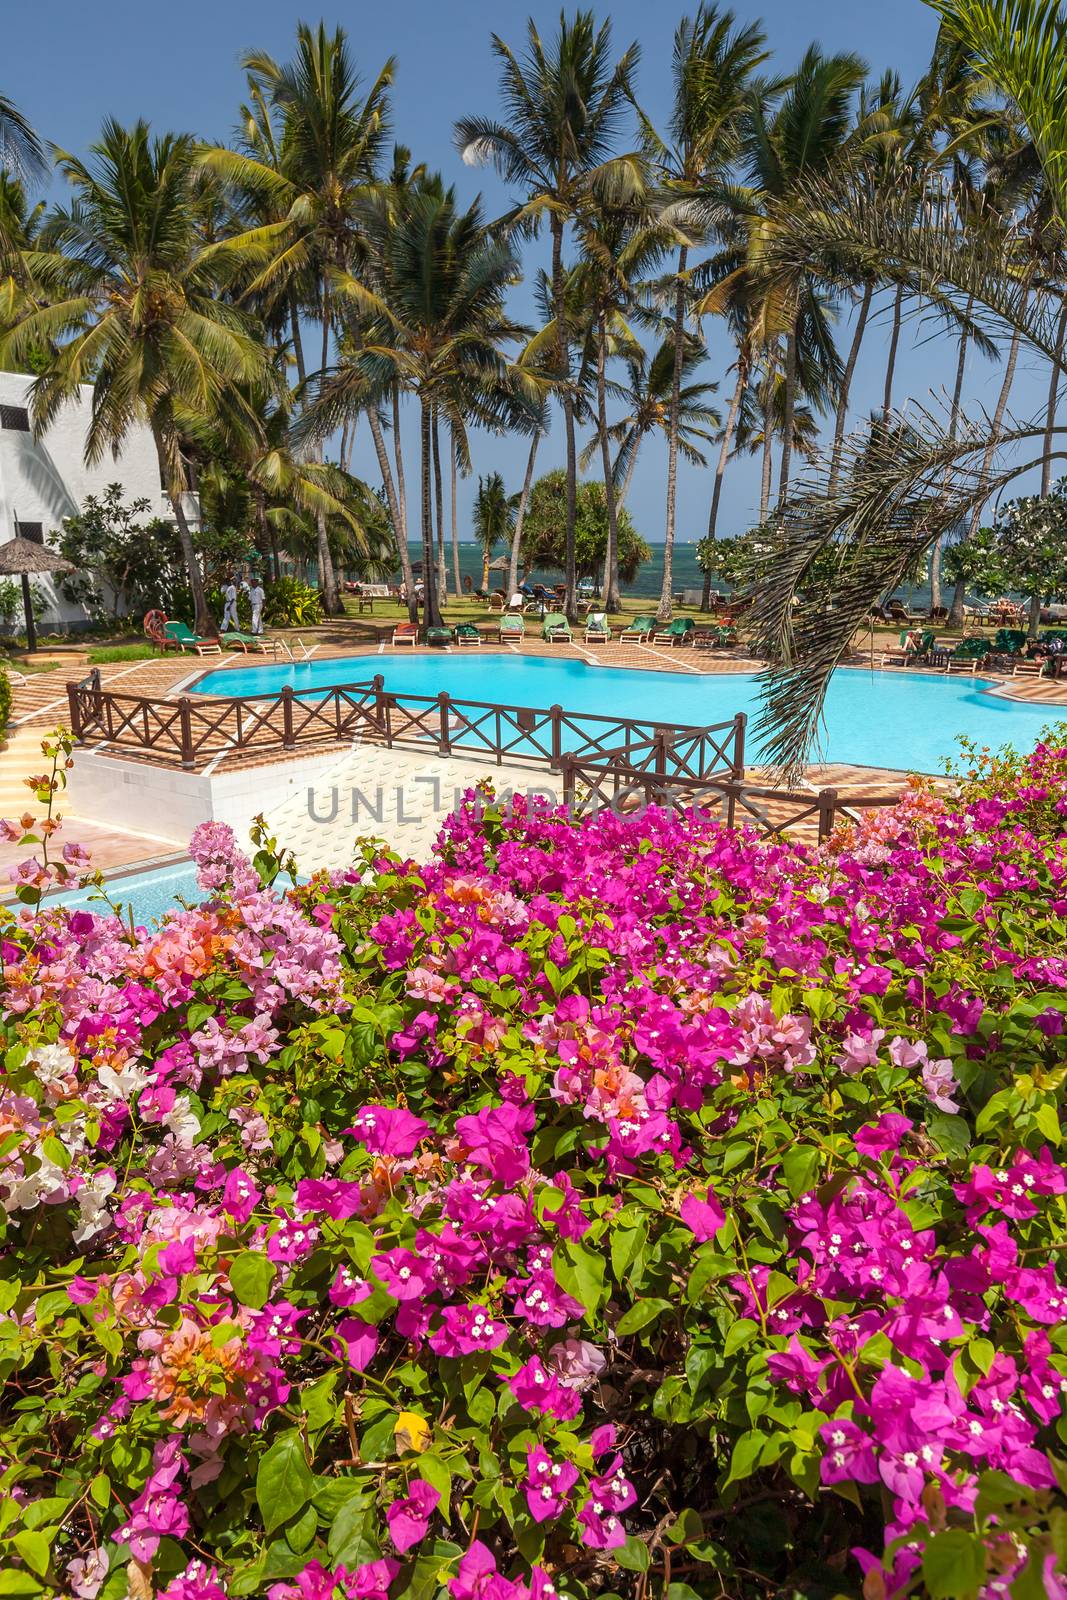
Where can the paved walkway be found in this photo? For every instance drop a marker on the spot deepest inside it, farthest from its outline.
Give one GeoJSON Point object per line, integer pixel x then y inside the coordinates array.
{"type": "Point", "coordinates": [401, 796]}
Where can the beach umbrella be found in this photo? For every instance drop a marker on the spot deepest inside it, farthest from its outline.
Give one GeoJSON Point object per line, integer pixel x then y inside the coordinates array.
{"type": "Point", "coordinates": [20, 558]}
{"type": "Point", "coordinates": [501, 564]}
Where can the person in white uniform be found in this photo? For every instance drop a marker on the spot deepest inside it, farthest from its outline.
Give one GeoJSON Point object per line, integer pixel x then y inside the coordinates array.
{"type": "Point", "coordinates": [229, 610]}
{"type": "Point", "coordinates": [256, 598]}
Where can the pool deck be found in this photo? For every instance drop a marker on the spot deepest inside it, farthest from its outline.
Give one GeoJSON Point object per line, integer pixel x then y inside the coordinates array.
{"type": "Point", "coordinates": [411, 818]}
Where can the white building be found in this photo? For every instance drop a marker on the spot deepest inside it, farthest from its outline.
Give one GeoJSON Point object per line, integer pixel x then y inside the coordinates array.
{"type": "Point", "coordinates": [42, 481]}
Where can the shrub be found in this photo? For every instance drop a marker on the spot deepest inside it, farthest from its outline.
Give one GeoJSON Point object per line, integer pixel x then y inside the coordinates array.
{"type": "Point", "coordinates": [291, 603]}
{"type": "Point", "coordinates": [606, 1205]}
{"type": "Point", "coordinates": [5, 699]}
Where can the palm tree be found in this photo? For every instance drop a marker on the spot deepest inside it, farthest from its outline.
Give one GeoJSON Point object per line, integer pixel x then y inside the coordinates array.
{"type": "Point", "coordinates": [714, 67]}
{"type": "Point", "coordinates": [21, 152]}
{"type": "Point", "coordinates": [646, 395]}
{"type": "Point", "coordinates": [563, 106]}
{"type": "Point", "coordinates": [494, 518]}
{"type": "Point", "coordinates": [127, 297]}
{"type": "Point", "coordinates": [441, 332]}
{"type": "Point", "coordinates": [805, 138]}
{"type": "Point", "coordinates": [320, 170]}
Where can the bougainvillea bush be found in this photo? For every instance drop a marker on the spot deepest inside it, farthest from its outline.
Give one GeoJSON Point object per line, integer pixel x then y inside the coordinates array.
{"type": "Point", "coordinates": [619, 1208]}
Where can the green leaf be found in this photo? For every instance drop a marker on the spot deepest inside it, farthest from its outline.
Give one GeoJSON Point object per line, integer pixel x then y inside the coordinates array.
{"type": "Point", "coordinates": [954, 1565]}
{"type": "Point", "coordinates": [284, 1482]}
{"type": "Point", "coordinates": [745, 1458]}
{"type": "Point", "coordinates": [739, 1334]}
{"type": "Point", "coordinates": [579, 1273]}
{"type": "Point", "coordinates": [13, 1581]}
{"type": "Point", "coordinates": [351, 1542]}
{"type": "Point", "coordinates": [251, 1276]}
{"type": "Point", "coordinates": [1048, 1123]}
{"type": "Point", "coordinates": [434, 1472]}
{"type": "Point", "coordinates": [640, 1315]}
{"type": "Point", "coordinates": [800, 1164]}
{"type": "Point", "coordinates": [35, 1549]}
{"type": "Point", "coordinates": [633, 1555]}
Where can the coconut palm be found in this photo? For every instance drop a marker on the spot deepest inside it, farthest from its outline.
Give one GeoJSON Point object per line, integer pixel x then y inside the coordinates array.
{"type": "Point", "coordinates": [646, 395]}
{"type": "Point", "coordinates": [714, 70]}
{"type": "Point", "coordinates": [443, 330]}
{"type": "Point", "coordinates": [22, 155]}
{"type": "Point", "coordinates": [317, 175]}
{"type": "Point", "coordinates": [125, 295]}
{"type": "Point", "coordinates": [563, 103]}
{"type": "Point", "coordinates": [494, 518]}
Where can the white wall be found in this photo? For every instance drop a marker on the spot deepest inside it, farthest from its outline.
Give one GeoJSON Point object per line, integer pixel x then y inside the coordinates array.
{"type": "Point", "coordinates": [168, 804]}
{"type": "Point", "coordinates": [46, 480]}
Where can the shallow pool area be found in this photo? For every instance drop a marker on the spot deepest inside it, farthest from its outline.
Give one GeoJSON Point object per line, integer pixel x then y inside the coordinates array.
{"type": "Point", "coordinates": [149, 893]}
{"type": "Point", "coordinates": [905, 721]}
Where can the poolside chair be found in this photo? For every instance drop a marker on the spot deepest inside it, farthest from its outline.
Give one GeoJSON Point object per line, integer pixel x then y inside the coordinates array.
{"type": "Point", "coordinates": [556, 626]}
{"type": "Point", "coordinates": [912, 648]}
{"type": "Point", "coordinates": [497, 600]}
{"type": "Point", "coordinates": [467, 634]}
{"type": "Point", "coordinates": [967, 656]}
{"type": "Point", "coordinates": [511, 627]}
{"type": "Point", "coordinates": [440, 637]}
{"type": "Point", "coordinates": [406, 633]}
{"type": "Point", "coordinates": [899, 612]}
{"type": "Point", "coordinates": [640, 629]}
{"type": "Point", "coordinates": [680, 631]}
{"type": "Point", "coordinates": [234, 639]}
{"type": "Point", "coordinates": [185, 639]}
{"type": "Point", "coordinates": [596, 628]}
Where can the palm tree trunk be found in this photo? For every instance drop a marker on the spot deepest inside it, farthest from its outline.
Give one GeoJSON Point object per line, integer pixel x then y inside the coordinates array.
{"type": "Point", "coordinates": [457, 576]}
{"type": "Point", "coordinates": [1053, 397]}
{"type": "Point", "coordinates": [720, 468]}
{"type": "Point", "coordinates": [348, 435]}
{"type": "Point", "coordinates": [953, 423]}
{"type": "Point", "coordinates": [431, 614]}
{"type": "Point", "coordinates": [439, 503]}
{"type": "Point", "coordinates": [570, 575]}
{"type": "Point", "coordinates": [887, 397]}
{"type": "Point", "coordinates": [298, 344]}
{"type": "Point", "coordinates": [956, 613]}
{"type": "Point", "coordinates": [846, 384]}
{"type": "Point", "coordinates": [768, 446]}
{"type": "Point", "coordinates": [331, 600]}
{"type": "Point", "coordinates": [666, 595]}
{"type": "Point", "coordinates": [611, 558]}
{"type": "Point", "coordinates": [398, 456]}
{"type": "Point", "coordinates": [520, 517]}
{"type": "Point", "coordinates": [400, 532]}
{"type": "Point", "coordinates": [203, 621]}
{"type": "Point", "coordinates": [789, 411]}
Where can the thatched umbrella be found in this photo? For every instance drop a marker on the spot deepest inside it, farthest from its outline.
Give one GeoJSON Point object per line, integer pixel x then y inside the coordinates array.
{"type": "Point", "coordinates": [21, 557]}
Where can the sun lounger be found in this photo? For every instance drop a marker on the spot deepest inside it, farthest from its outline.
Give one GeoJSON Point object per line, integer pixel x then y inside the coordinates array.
{"type": "Point", "coordinates": [596, 628]}
{"type": "Point", "coordinates": [640, 629]}
{"type": "Point", "coordinates": [406, 633]}
{"type": "Point", "coordinates": [511, 627]}
{"type": "Point", "coordinates": [556, 626]}
{"type": "Point", "coordinates": [968, 656]}
{"type": "Point", "coordinates": [467, 634]}
{"type": "Point", "coordinates": [237, 640]}
{"type": "Point", "coordinates": [441, 637]}
{"type": "Point", "coordinates": [185, 639]}
{"type": "Point", "coordinates": [679, 631]}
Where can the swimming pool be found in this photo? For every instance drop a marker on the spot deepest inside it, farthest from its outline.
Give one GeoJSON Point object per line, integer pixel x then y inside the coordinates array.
{"type": "Point", "coordinates": [902, 720]}
{"type": "Point", "coordinates": [149, 894]}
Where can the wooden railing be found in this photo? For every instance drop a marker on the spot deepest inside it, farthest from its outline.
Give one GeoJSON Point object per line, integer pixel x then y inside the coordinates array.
{"type": "Point", "coordinates": [589, 785]}
{"type": "Point", "coordinates": [198, 728]}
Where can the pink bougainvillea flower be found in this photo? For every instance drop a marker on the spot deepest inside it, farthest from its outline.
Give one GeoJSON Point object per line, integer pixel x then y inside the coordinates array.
{"type": "Point", "coordinates": [389, 1130]}
{"type": "Point", "coordinates": [408, 1519]}
{"type": "Point", "coordinates": [548, 1483]}
{"type": "Point", "coordinates": [537, 1389]}
{"type": "Point", "coordinates": [400, 1272]}
{"type": "Point", "coordinates": [703, 1218]}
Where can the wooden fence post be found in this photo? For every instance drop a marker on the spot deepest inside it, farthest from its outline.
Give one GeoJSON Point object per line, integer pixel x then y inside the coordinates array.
{"type": "Point", "coordinates": [185, 722]}
{"type": "Point", "coordinates": [660, 738]}
{"type": "Point", "coordinates": [288, 738]}
{"type": "Point", "coordinates": [378, 685]}
{"type": "Point", "coordinates": [740, 724]}
{"type": "Point", "coordinates": [445, 745]}
{"type": "Point", "coordinates": [556, 716]}
{"type": "Point", "coordinates": [827, 813]}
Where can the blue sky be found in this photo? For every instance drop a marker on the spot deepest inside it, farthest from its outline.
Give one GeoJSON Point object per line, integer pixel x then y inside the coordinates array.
{"type": "Point", "coordinates": [68, 65]}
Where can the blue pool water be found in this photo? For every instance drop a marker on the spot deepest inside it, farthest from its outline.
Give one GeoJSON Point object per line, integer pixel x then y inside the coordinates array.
{"type": "Point", "coordinates": [149, 894]}
{"type": "Point", "coordinates": [908, 721]}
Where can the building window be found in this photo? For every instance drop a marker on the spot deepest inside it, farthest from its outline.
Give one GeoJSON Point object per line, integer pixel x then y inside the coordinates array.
{"type": "Point", "coordinates": [31, 530]}
{"type": "Point", "coordinates": [16, 418]}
